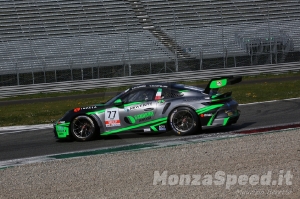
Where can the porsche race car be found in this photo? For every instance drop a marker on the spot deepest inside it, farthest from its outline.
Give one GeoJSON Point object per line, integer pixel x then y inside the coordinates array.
{"type": "Point", "coordinates": [153, 108]}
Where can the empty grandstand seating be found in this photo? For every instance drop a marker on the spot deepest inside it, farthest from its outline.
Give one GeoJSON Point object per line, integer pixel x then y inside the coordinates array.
{"type": "Point", "coordinates": [209, 26]}
{"type": "Point", "coordinates": [61, 34]}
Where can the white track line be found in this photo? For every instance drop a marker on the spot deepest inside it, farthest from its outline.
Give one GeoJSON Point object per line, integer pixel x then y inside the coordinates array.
{"type": "Point", "coordinates": [156, 144]}
{"type": "Point", "coordinates": [269, 101]}
{"type": "Point", "coordinates": [19, 129]}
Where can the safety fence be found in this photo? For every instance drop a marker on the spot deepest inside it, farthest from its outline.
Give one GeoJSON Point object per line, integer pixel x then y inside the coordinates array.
{"type": "Point", "coordinates": [9, 91]}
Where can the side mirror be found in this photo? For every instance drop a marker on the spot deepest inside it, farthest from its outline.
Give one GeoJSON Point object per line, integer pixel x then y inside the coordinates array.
{"type": "Point", "coordinates": [118, 102]}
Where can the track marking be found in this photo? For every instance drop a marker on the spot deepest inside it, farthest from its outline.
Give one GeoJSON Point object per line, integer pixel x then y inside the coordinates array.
{"type": "Point", "coordinates": [151, 145]}
{"type": "Point", "coordinates": [20, 129]}
{"type": "Point", "coordinates": [269, 101]}
{"type": "Point", "coordinates": [24, 128]}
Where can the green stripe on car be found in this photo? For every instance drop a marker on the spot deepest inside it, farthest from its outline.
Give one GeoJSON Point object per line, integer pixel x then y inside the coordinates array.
{"type": "Point", "coordinates": [153, 122]}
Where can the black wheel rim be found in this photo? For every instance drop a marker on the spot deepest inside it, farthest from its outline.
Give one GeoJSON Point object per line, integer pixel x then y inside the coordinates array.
{"type": "Point", "coordinates": [183, 121]}
{"type": "Point", "coordinates": [82, 127]}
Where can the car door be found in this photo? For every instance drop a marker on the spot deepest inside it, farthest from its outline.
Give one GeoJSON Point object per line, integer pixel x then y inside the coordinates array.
{"type": "Point", "coordinates": [140, 106]}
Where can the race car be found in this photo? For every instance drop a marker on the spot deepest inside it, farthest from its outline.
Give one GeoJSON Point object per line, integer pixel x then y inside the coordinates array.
{"type": "Point", "coordinates": [154, 108]}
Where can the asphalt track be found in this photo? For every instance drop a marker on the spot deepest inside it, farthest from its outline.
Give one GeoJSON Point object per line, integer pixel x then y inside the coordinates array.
{"type": "Point", "coordinates": [28, 143]}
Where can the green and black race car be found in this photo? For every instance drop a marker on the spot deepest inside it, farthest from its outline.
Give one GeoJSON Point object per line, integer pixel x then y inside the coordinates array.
{"type": "Point", "coordinates": [153, 108]}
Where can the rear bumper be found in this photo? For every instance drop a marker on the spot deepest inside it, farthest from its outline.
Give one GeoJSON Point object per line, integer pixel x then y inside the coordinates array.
{"type": "Point", "coordinates": [224, 119]}
{"type": "Point", "coordinates": [232, 120]}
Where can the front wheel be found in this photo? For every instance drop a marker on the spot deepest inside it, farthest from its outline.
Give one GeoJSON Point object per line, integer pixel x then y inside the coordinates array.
{"type": "Point", "coordinates": [184, 121]}
{"type": "Point", "coordinates": [83, 128]}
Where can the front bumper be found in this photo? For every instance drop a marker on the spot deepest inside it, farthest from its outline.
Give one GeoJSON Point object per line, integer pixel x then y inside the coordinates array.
{"type": "Point", "coordinates": [61, 131]}
{"type": "Point", "coordinates": [55, 132]}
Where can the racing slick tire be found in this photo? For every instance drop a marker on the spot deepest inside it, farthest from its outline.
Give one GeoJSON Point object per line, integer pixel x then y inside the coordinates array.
{"type": "Point", "coordinates": [184, 121]}
{"type": "Point", "coordinates": [83, 128]}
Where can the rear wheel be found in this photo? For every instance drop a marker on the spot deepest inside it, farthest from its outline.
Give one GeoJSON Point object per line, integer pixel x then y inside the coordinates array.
{"type": "Point", "coordinates": [83, 128]}
{"type": "Point", "coordinates": [184, 121]}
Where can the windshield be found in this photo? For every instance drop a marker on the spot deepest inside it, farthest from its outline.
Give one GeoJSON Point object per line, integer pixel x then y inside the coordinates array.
{"type": "Point", "coordinates": [114, 98]}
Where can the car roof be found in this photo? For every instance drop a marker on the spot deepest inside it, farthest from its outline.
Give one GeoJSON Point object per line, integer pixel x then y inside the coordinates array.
{"type": "Point", "coordinates": [160, 84]}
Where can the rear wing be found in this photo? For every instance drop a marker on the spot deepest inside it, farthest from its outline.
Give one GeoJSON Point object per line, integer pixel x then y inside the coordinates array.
{"type": "Point", "coordinates": [216, 83]}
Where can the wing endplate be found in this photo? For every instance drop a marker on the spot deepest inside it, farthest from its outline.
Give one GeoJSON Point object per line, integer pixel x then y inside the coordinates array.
{"type": "Point", "coordinates": [220, 82]}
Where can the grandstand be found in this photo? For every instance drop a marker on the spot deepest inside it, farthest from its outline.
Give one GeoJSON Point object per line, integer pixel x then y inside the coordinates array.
{"type": "Point", "coordinates": [42, 36]}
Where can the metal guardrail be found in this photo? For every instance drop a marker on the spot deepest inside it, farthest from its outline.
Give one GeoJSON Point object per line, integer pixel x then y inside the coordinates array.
{"type": "Point", "coordinates": [9, 91]}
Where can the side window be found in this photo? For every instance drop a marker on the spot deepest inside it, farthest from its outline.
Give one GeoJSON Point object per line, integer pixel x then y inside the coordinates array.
{"type": "Point", "coordinates": [140, 95]}
{"type": "Point", "coordinates": [170, 93]}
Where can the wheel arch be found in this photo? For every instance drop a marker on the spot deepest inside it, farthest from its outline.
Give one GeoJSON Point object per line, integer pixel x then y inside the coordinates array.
{"type": "Point", "coordinates": [98, 122]}
{"type": "Point", "coordinates": [95, 119]}
{"type": "Point", "coordinates": [180, 106]}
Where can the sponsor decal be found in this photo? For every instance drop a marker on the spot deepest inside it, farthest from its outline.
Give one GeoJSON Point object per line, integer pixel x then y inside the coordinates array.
{"type": "Point", "coordinates": [112, 117]}
{"type": "Point", "coordinates": [161, 127]}
{"type": "Point", "coordinates": [144, 116]}
{"type": "Point", "coordinates": [141, 86]}
{"type": "Point", "coordinates": [84, 108]}
{"type": "Point", "coordinates": [112, 123]}
{"type": "Point", "coordinates": [215, 84]}
{"type": "Point", "coordinates": [140, 106]}
{"type": "Point", "coordinates": [164, 86]}
{"type": "Point", "coordinates": [140, 117]}
{"type": "Point", "coordinates": [88, 107]}
{"type": "Point", "coordinates": [206, 115]}
{"type": "Point", "coordinates": [147, 130]}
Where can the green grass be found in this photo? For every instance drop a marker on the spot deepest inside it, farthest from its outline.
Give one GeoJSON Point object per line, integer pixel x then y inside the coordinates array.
{"type": "Point", "coordinates": [101, 90]}
{"type": "Point", "coordinates": [61, 94]}
{"type": "Point", "coordinates": [40, 113]}
{"type": "Point", "coordinates": [48, 112]}
{"type": "Point", "coordinates": [259, 92]}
